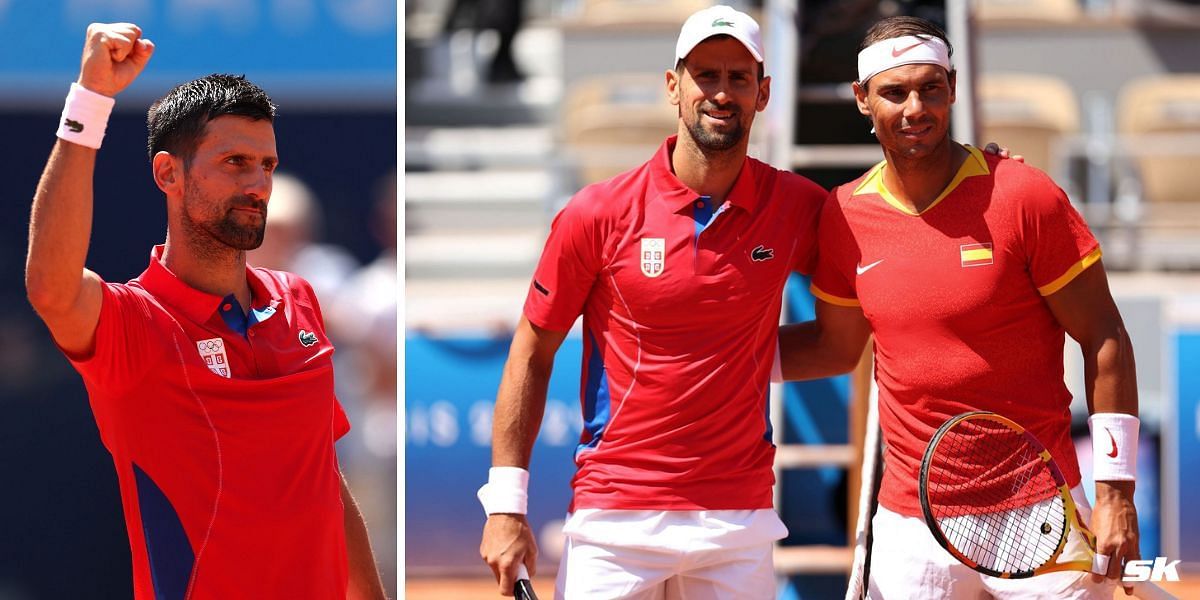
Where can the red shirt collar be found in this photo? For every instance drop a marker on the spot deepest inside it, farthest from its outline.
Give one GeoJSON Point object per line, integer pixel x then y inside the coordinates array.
{"type": "Point", "coordinates": [744, 193]}
{"type": "Point", "coordinates": [196, 305]}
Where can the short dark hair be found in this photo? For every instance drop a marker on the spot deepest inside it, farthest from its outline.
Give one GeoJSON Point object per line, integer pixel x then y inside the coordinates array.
{"type": "Point", "coordinates": [176, 122]}
{"type": "Point", "coordinates": [902, 25]}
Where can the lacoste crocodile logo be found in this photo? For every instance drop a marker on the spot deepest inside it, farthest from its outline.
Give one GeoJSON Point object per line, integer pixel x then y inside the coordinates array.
{"type": "Point", "coordinates": [307, 338]}
{"type": "Point", "coordinates": [74, 126]}
{"type": "Point", "coordinates": [721, 23]}
{"type": "Point", "coordinates": [759, 254]}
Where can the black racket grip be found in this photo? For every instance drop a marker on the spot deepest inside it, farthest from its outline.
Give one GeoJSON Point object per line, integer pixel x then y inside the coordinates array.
{"type": "Point", "coordinates": [523, 589]}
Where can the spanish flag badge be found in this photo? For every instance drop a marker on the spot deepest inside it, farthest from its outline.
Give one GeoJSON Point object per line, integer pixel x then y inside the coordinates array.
{"type": "Point", "coordinates": [976, 255]}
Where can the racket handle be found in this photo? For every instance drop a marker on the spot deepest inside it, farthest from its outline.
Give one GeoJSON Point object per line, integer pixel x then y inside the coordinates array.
{"type": "Point", "coordinates": [523, 589]}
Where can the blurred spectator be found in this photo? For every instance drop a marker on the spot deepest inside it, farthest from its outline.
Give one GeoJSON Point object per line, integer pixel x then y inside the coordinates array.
{"type": "Point", "coordinates": [364, 310]}
{"type": "Point", "coordinates": [364, 314]}
{"type": "Point", "coordinates": [503, 16]}
{"type": "Point", "coordinates": [293, 227]}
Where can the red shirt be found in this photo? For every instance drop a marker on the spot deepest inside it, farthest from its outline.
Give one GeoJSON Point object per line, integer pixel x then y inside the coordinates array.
{"type": "Point", "coordinates": [680, 303]}
{"type": "Point", "coordinates": [955, 299]}
{"type": "Point", "coordinates": [223, 443]}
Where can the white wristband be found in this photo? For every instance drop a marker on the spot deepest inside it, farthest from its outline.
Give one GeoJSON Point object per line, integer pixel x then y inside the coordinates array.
{"type": "Point", "coordinates": [1114, 446]}
{"type": "Point", "coordinates": [85, 117]}
{"type": "Point", "coordinates": [506, 491]}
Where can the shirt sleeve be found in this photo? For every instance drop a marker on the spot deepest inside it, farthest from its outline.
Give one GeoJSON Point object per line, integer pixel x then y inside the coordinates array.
{"type": "Point", "coordinates": [570, 263]}
{"type": "Point", "coordinates": [1058, 244]}
{"type": "Point", "coordinates": [833, 280]}
{"type": "Point", "coordinates": [118, 356]}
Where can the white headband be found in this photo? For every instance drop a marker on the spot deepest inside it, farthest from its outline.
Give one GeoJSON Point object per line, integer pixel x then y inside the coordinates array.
{"type": "Point", "coordinates": [906, 50]}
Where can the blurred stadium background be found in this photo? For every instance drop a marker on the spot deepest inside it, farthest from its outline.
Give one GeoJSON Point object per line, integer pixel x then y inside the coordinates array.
{"type": "Point", "coordinates": [1102, 94]}
{"type": "Point", "coordinates": [330, 65]}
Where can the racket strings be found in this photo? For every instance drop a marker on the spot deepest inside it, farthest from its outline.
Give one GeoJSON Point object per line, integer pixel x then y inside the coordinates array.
{"type": "Point", "coordinates": [993, 497]}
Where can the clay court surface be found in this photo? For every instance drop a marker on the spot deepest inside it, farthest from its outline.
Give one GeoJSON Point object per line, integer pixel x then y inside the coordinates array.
{"type": "Point", "coordinates": [485, 589]}
{"type": "Point", "coordinates": [468, 589]}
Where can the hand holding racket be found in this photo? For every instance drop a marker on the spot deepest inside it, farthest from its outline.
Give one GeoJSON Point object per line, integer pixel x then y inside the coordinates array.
{"type": "Point", "coordinates": [507, 537]}
{"type": "Point", "coordinates": [1114, 521]}
{"type": "Point", "coordinates": [994, 498]}
{"type": "Point", "coordinates": [523, 589]}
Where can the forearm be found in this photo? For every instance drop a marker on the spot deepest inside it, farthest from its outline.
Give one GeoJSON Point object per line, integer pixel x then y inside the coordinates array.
{"type": "Point", "coordinates": [1110, 374]}
{"type": "Point", "coordinates": [1111, 379]}
{"type": "Point", "coordinates": [520, 403]}
{"type": "Point", "coordinates": [364, 583]}
{"type": "Point", "coordinates": [807, 351]}
{"type": "Point", "coordinates": [60, 227]}
{"type": "Point", "coordinates": [830, 344]}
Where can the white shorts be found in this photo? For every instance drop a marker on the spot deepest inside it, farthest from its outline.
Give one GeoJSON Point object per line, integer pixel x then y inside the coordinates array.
{"type": "Point", "coordinates": [906, 562]}
{"type": "Point", "coordinates": [671, 555]}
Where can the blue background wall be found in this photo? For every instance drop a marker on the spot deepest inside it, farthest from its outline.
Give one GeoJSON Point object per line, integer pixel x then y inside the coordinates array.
{"type": "Point", "coordinates": [451, 388]}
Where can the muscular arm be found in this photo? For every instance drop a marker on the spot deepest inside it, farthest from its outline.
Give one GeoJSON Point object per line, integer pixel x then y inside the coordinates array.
{"type": "Point", "coordinates": [520, 402]}
{"type": "Point", "coordinates": [829, 345]}
{"type": "Point", "coordinates": [364, 583]}
{"type": "Point", "coordinates": [522, 394]}
{"type": "Point", "coordinates": [65, 294]}
{"type": "Point", "coordinates": [1086, 310]}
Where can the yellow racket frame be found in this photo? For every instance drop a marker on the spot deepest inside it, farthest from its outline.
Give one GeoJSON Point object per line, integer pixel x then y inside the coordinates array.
{"type": "Point", "coordinates": [1071, 512]}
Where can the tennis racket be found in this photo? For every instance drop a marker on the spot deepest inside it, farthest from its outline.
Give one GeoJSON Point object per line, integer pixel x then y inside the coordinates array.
{"type": "Point", "coordinates": [994, 498]}
{"type": "Point", "coordinates": [523, 589]}
{"type": "Point", "coordinates": [860, 570]}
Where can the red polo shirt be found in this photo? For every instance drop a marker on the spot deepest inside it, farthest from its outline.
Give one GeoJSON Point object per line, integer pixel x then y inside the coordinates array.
{"type": "Point", "coordinates": [955, 298]}
{"type": "Point", "coordinates": [223, 442]}
{"type": "Point", "coordinates": [680, 302]}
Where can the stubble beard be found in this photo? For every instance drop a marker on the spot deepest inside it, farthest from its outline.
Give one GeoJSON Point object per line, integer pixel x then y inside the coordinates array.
{"type": "Point", "coordinates": [224, 230]}
{"type": "Point", "coordinates": [708, 140]}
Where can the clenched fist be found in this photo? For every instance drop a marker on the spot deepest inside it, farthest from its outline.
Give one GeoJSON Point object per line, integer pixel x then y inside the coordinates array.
{"type": "Point", "coordinates": [113, 56]}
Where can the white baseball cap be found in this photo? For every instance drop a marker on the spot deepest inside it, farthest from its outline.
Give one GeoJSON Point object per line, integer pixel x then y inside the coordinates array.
{"type": "Point", "coordinates": [719, 20]}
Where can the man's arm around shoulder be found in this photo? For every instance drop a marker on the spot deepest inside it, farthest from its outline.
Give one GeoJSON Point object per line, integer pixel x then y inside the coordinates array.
{"type": "Point", "coordinates": [829, 345]}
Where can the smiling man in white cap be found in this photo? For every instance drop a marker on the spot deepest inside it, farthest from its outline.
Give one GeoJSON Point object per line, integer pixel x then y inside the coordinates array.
{"type": "Point", "coordinates": [968, 270]}
{"type": "Point", "coordinates": [678, 268]}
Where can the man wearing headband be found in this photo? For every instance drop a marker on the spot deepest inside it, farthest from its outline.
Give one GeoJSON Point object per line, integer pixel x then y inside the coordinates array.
{"type": "Point", "coordinates": [968, 270]}
{"type": "Point", "coordinates": [678, 268]}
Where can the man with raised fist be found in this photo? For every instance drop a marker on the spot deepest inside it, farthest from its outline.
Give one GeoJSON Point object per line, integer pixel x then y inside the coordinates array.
{"type": "Point", "coordinates": [211, 381]}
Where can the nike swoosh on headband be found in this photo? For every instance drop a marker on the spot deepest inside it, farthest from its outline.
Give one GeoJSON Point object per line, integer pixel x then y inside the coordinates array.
{"type": "Point", "coordinates": [896, 53]}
